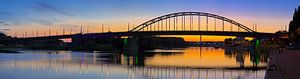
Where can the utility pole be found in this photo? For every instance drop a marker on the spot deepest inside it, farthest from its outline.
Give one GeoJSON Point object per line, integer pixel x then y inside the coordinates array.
{"type": "Point", "coordinates": [255, 27]}
{"type": "Point", "coordinates": [81, 29]}
{"type": "Point", "coordinates": [87, 30]}
{"type": "Point", "coordinates": [63, 30]}
{"type": "Point", "coordinates": [25, 34]}
{"type": "Point", "coordinates": [56, 32]}
{"type": "Point", "coordinates": [37, 33]}
{"type": "Point", "coordinates": [128, 27]}
{"type": "Point", "coordinates": [102, 28]}
{"type": "Point", "coordinates": [108, 29]}
{"type": "Point", "coordinates": [70, 30]}
{"type": "Point", "coordinates": [49, 32]}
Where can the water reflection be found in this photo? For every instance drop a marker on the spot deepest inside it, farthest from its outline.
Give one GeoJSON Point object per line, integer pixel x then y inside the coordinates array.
{"type": "Point", "coordinates": [191, 63]}
{"type": "Point", "coordinates": [63, 70]}
{"type": "Point", "coordinates": [256, 58]}
{"type": "Point", "coordinates": [200, 57]}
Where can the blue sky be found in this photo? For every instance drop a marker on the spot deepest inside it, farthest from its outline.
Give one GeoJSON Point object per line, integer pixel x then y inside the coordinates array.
{"type": "Point", "coordinates": [44, 14]}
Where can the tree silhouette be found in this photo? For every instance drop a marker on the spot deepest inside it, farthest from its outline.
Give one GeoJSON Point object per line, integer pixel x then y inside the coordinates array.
{"type": "Point", "coordinates": [2, 36]}
{"type": "Point", "coordinates": [294, 26]}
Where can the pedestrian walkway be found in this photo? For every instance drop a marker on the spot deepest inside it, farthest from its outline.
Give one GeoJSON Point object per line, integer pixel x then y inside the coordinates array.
{"type": "Point", "coordinates": [284, 65]}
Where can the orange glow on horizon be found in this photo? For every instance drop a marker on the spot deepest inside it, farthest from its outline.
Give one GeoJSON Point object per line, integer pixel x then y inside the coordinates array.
{"type": "Point", "coordinates": [196, 38]}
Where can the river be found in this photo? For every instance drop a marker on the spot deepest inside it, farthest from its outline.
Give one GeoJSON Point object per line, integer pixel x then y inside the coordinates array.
{"type": "Point", "coordinates": [187, 63]}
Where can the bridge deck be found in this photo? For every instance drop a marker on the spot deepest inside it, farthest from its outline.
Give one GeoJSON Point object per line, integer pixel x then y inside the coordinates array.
{"type": "Point", "coordinates": [149, 33]}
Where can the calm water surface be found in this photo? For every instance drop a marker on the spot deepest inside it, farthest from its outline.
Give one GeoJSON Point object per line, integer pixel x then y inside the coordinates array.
{"type": "Point", "coordinates": [189, 63]}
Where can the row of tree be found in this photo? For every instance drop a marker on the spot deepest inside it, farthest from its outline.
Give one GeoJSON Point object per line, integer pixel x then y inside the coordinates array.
{"type": "Point", "coordinates": [294, 26]}
{"type": "Point", "coordinates": [4, 36]}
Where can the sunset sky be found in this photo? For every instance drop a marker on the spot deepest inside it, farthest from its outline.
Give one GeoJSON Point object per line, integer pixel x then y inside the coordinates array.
{"type": "Point", "coordinates": [20, 16]}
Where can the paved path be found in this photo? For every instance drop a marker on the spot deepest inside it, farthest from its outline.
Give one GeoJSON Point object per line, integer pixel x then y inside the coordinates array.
{"type": "Point", "coordinates": [284, 65]}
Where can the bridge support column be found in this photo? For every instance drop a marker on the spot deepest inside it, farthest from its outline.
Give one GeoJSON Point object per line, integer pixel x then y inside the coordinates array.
{"type": "Point", "coordinates": [131, 45]}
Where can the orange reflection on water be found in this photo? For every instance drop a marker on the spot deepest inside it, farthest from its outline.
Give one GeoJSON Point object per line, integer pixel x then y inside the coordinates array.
{"type": "Point", "coordinates": [203, 57]}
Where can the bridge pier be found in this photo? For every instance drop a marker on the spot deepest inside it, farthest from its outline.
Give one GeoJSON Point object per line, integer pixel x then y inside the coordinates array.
{"type": "Point", "coordinates": [131, 45]}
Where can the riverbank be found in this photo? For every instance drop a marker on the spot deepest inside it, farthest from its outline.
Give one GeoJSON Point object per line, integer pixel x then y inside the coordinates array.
{"type": "Point", "coordinates": [284, 65]}
{"type": "Point", "coordinates": [8, 51]}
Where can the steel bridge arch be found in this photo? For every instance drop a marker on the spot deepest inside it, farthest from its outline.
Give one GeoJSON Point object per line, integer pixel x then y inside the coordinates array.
{"type": "Point", "coordinates": [164, 17]}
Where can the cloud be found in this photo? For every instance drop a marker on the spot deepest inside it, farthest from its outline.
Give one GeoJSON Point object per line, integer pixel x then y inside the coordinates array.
{"type": "Point", "coordinates": [45, 19]}
{"type": "Point", "coordinates": [42, 22]}
{"type": "Point", "coordinates": [4, 30]}
{"type": "Point", "coordinates": [39, 6]}
{"type": "Point", "coordinates": [7, 19]}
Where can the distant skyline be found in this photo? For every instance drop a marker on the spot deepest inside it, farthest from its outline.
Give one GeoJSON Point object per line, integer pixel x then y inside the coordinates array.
{"type": "Point", "coordinates": [21, 16]}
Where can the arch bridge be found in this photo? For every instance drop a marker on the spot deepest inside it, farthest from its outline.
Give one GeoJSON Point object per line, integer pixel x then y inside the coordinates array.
{"type": "Point", "coordinates": [194, 23]}
{"type": "Point", "coordinates": [188, 21]}
{"type": "Point", "coordinates": [181, 23]}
